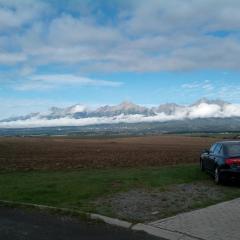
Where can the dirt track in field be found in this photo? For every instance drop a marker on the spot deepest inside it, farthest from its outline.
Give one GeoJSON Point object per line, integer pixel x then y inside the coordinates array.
{"type": "Point", "coordinates": [64, 153]}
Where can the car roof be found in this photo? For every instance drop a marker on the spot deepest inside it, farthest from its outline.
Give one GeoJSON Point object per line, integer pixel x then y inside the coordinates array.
{"type": "Point", "coordinates": [228, 142]}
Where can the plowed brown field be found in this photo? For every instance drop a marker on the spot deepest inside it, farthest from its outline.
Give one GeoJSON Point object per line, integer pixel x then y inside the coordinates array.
{"type": "Point", "coordinates": [64, 153]}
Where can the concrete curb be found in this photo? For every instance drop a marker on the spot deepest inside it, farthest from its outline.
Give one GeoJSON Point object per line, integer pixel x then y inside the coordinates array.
{"type": "Point", "coordinates": [44, 207]}
{"type": "Point", "coordinates": [111, 221]}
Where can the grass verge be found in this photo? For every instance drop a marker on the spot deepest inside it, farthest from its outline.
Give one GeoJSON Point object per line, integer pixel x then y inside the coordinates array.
{"type": "Point", "coordinates": [78, 189]}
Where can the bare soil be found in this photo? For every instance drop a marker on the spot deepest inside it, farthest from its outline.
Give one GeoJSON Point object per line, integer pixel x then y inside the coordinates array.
{"type": "Point", "coordinates": [64, 153]}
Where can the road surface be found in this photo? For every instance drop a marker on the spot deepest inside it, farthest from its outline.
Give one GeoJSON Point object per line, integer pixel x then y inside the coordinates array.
{"type": "Point", "coordinates": [18, 224]}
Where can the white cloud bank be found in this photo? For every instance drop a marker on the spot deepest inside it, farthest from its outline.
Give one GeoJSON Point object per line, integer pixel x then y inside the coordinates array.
{"type": "Point", "coordinates": [201, 110]}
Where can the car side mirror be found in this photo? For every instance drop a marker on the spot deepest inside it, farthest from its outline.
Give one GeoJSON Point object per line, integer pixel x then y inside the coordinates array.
{"type": "Point", "coordinates": [206, 151]}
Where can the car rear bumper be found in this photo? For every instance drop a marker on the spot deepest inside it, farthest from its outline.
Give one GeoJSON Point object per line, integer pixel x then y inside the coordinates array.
{"type": "Point", "coordinates": [230, 173]}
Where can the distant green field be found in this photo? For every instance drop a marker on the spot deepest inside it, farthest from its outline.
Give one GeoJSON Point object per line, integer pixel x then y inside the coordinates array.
{"type": "Point", "coordinates": [77, 189]}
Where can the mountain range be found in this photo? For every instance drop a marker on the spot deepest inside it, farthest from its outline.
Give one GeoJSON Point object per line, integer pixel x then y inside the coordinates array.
{"type": "Point", "coordinates": [203, 112]}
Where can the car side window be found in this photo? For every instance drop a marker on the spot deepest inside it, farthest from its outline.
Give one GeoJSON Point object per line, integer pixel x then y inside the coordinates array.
{"type": "Point", "coordinates": [220, 152]}
{"type": "Point", "coordinates": [212, 148]}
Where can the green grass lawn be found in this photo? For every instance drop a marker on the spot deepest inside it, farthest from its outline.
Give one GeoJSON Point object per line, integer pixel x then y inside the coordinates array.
{"type": "Point", "coordinates": [77, 189]}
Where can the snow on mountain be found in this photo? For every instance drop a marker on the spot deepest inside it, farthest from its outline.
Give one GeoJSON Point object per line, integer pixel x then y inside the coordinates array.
{"type": "Point", "coordinates": [21, 118]}
{"type": "Point", "coordinates": [218, 102]}
{"type": "Point", "coordinates": [61, 112]}
{"type": "Point", "coordinates": [168, 108]}
{"type": "Point", "coordinates": [126, 108]}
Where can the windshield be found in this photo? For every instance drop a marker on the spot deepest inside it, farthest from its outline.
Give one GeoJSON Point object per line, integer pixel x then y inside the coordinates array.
{"type": "Point", "coordinates": [233, 150]}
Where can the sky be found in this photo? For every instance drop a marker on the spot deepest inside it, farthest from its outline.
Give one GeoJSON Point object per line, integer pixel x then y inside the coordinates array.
{"type": "Point", "coordinates": [96, 52]}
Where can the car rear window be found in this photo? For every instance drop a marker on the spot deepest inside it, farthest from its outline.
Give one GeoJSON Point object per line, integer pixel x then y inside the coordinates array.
{"type": "Point", "coordinates": [233, 150]}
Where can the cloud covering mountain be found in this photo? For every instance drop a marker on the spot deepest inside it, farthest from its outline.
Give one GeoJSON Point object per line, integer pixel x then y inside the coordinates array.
{"type": "Point", "coordinates": [126, 112]}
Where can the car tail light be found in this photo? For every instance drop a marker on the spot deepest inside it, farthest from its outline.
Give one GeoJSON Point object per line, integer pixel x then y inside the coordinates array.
{"type": "Point", "coordinates": [232, 161]}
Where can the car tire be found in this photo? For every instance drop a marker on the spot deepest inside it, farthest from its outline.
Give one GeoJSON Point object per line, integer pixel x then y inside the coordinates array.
{"type": "Point", "coordinates": [202, 167]}
{"type": "Point", "coordinates": [217, 176]}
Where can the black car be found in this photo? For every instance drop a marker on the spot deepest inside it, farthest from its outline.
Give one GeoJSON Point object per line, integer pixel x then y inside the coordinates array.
{"type": "Point", "coordinates": [222, 161]}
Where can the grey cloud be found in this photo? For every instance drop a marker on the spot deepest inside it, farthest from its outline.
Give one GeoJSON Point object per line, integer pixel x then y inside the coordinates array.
{"type": "Point", "coordinates": [77, 32]}
{"type": "Point", "coordinates": [12, 58]}
{"type": "Point", "coordinates": [153, 35]}
{"type": "Point", "coordinates": [14, 14]}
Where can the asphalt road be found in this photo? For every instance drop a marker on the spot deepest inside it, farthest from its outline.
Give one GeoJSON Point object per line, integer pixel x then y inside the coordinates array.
{"type": "Point", "coordinates": [18, 224]}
